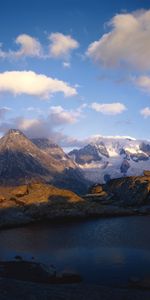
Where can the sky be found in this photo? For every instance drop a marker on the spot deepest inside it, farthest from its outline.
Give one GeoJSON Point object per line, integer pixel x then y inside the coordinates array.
{"type": "Point", "coordinates": [71, 69]}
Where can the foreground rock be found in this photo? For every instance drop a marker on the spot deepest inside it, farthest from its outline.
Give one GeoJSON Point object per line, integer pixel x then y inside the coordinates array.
{"type": "Point", "coordinates": [35, 272]}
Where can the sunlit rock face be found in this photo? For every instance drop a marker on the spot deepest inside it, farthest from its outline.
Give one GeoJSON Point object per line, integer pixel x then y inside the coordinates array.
{"type": "Point", "coordinates": [126, 191]}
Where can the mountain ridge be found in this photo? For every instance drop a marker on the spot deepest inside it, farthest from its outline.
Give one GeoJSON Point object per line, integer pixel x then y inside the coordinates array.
{"type": "Point", "coordinates": [22, 161]}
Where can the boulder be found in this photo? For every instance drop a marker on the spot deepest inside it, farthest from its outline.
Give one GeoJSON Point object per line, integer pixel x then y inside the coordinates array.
{"type": "Point", "coordinates": [2, 198]}
{"type": "Point", "coordinates": [147, 173]}
{"type": "Point", "coordinates": [96, 189]}
{"type": "Point", "coordinates": [20, 191]}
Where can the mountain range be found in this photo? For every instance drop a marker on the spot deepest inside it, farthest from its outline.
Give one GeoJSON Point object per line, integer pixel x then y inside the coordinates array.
{"type": "Point", "coordinates": [24, 160]}
{"type": "Point", "coordinates": [108, 158]}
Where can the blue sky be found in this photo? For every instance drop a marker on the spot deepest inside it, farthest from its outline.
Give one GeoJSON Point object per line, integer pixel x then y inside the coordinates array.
{"type": "Point", "coordinates": [72, 69]}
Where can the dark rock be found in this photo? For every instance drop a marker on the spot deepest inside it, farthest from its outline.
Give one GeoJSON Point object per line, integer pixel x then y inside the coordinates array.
{"type": "Point", "coordinates": [145, 148]}
{"type": "Point", "coordinates": [107, 178]}
{"type": "Point", "coordinates": [86, 155]}
{"type": "Point", "coordinates": [124, 166]}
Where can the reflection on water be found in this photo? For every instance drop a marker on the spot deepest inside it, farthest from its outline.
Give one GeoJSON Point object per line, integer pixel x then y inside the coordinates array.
{"type": "Point", "coordinates": [102, 251]}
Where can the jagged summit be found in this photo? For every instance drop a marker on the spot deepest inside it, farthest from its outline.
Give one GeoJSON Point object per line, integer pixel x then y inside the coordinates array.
{"type": "Point", "coordinates": [14, 131]}
{"type": "Point", "coordinates": [21, 160]}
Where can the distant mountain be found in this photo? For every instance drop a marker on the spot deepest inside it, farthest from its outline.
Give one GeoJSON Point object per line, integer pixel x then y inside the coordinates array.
{"type": "Point", "coordinates": [22, 161]}
{"type": "Point", "coordinates": [108, 158]}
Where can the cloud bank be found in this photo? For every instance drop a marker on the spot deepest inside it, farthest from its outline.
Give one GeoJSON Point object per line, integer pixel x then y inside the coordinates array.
{"type": "Point", "coordinates": [45, 126]}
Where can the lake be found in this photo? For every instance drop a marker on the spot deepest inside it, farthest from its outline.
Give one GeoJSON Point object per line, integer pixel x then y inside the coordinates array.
{"type": "Point", "coordinates": [104, 251]}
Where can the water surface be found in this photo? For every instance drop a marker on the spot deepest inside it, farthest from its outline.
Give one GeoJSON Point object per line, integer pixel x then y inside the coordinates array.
{"type": "Point", "coordinates": [105, 251]}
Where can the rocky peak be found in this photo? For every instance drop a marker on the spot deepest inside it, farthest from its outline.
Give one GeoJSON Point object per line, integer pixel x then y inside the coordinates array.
{"type": "Point", "coordinates": [22, 162]}
{"type": "Point", "coordinates": [15, 140]}
{"type": "Point", "coordinates": [14, 132]}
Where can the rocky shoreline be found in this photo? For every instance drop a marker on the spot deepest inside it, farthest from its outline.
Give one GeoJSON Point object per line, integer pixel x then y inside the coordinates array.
{"type": "Point", "coordinates": [13, 217]}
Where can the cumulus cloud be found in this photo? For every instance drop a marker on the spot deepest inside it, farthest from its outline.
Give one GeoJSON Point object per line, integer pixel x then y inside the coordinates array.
{"type": "Point", "coordinates": [31, 83]}
{"type": "Point", "coordinates": [145, 112]}
{"type": "Point", "coordinates": [108, 108]}
{"type": "Point", "coordinates": [61, 45]}
{"type": "Point", "coordinates": [127, 42]}
{"type": "Point", "coordinates": [28, 46]}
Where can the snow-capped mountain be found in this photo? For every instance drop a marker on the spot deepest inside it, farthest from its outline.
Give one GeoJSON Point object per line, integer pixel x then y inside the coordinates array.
{"type": "Point", "coordinates": [112, 157]}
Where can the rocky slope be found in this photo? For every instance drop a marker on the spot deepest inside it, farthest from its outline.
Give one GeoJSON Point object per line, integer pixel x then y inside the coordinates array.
{"type": "Point", "coordinates": [21, 161]}
{"type": "Point", "coordinates": [55, 151]}
{"type": "Point", "coordinates": [33, 202]}
{"type": "Point", "coordinates": [106, 158]}
{"type": "Point", "coordinates": [127, 192]}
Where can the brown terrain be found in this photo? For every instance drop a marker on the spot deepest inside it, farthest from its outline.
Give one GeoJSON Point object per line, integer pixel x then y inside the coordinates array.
{"type": "Point", "coordinates": [38, 201]}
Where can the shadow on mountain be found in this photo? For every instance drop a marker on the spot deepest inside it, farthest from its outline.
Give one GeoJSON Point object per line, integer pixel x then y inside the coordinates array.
{"type": "Point", "coordinates": [18, 167]}
{"type": "Point", "coordinates": [21, 168]}
{"type": "Point", "coordinates": [72, 179]}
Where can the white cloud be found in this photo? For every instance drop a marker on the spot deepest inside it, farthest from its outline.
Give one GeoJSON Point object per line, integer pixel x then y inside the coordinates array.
{"type": "Point", "coordinates": [61, 45]}
{"type": "Point", "coordinates": [145, 112]}
{"type": "Point", "coordinates": [28, 46]}
{"type": "Point", "coordinates": [108, 108]}
{"type": "Point", "coordinates": [143, 82]}
{"type": "Point", "coordinates": [127, 42]}
{"type": "Point", "coordinates": [31, 83]}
